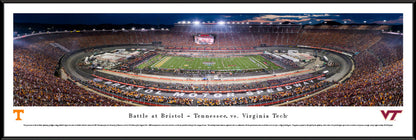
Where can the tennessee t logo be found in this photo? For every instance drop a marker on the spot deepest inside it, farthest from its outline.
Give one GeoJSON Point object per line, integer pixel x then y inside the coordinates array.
{"type": "Point", "coordinates": [18, 113]}
{"type": "Point", "coordinates": [386, 114]}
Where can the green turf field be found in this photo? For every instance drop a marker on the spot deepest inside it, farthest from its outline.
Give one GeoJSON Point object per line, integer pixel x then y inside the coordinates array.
{"type": "Point", "coordinates": [218, 64]}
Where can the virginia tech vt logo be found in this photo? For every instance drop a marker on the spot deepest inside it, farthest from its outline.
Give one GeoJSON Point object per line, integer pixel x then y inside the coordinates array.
{"type": "Point", "coordinates": [394, 112]}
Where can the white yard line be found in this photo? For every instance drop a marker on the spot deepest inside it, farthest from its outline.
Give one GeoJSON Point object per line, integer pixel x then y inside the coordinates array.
{"type": "Point", "coordinates": [264, 66]}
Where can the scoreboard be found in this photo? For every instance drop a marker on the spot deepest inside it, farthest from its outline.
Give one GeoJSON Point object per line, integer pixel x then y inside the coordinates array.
{"type": "Point", "coordinates": [204, 39]}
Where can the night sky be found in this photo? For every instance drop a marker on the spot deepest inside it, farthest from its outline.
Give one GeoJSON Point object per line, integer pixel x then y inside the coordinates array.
{"type": "Point", "coordinates": [171, 18]}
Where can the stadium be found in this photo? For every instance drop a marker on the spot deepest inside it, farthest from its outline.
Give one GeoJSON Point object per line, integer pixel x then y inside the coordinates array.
{"type": "Point", "coordinates": [211, 64]}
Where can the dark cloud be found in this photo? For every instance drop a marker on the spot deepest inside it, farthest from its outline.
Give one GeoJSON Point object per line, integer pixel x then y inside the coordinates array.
{"type": "Point", "coordinates": [170, 18]}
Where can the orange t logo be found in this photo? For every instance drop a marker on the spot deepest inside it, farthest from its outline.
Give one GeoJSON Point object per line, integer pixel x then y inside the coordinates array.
{"type": "Point", "coordinates": [18, 114]}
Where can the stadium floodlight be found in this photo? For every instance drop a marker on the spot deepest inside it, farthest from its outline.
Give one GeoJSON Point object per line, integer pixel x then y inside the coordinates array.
{"type": "Point", "coordinates": [228, 22]}
{"type": "Point", "coordinates": [261, 22]}
{"type": "Point", "coordinates": [123, 29]}
{"type": "Point", "coordinates": [152, 29]}
{"type": "Point", "coordinates": [133, 28]}
{"type": "Point", "coordinates": [221, 22]}
{"type": "Point", "coordinates": [162, 29]}
{"type": "Point", "coordinates": [143, 29]}
{"type": "Point", "coordinates": [189, 22]}
{"type": "Point", "coordinates": [196, 22]}
{"type": "Point", "coordinates": [310, 22]}
{"type": "Point", "coordinates": [345, 21]}
{"type": "Point", "coordinates": [238, 22]}
{"type": "Point", "coordinates": [325, 22]}
{"type": "Point", "coordinates": [247, 22]}
{"type": "Point", "coordinates": [183, 22]}
{"type": "Point", "coordinates": [384, 21]}
{"type": "Point", "coordinates": [365, 21]}
{"type": "Point", "coordinates": [93, 29]}
{"type": "Point", "coordinates": [179, 22]}
{"type": "Point", "coordinates": [232, 22]}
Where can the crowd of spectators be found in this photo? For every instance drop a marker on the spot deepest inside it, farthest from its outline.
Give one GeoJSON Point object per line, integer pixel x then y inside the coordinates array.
{"type": "Point", "coordinates": [34, 83]}
{"type": "Point", "coordinates": [281, 60]}
{"type": "Point", "coordinates": [377, 79]}
{"type": "Point", "coordinates": [137, 59]}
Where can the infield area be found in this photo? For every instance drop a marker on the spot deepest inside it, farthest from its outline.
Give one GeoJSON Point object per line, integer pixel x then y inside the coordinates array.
{"type": "Point", "coordinates": [214, 63]}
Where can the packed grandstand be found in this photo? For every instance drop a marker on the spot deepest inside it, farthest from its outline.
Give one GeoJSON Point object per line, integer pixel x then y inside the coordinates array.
{"type": "Point", "coordinates": [211, 65]}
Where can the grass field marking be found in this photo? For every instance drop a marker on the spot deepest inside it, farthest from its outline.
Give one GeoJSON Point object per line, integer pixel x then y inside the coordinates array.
{"type": "Point", "coordinates": [148, 61]}
{"type": "Point", "coordinates": [257, 62]}
{"type": "Point", "coordinates": [245, 62]}
{"type": "Point", "coordinates": [161, 62]}
{"type": "Point", "coordinates": [261, 63]}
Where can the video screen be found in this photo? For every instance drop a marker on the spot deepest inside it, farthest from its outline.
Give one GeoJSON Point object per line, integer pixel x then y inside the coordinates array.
{"type": "Point", "coordinates": [204, 39]}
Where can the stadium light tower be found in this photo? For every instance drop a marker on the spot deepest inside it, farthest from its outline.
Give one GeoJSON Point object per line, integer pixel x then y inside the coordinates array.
{"type": "Point", "coordinates": [189, 22]}
{"type": "Point", "coordinates": [221, 23]}
{"type": "Point", "coordinates": [196, 22]}
{"type": "Point", "coordinates": [365, 21]}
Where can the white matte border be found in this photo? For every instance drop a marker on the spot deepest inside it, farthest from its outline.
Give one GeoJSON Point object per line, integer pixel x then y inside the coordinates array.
{"type": "Point", "coordinates": [103, 115]}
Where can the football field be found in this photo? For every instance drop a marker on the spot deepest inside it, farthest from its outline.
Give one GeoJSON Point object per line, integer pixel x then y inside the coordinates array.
{"type": "Point", "coordinates": [217, 64]}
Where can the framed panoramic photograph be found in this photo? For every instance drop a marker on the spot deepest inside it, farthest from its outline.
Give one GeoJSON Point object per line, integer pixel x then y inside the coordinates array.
{"type": "Point", "coordinates": [208, 70]}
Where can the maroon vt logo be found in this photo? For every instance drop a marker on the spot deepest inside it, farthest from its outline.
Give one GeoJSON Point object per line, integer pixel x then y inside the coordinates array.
{"type": "Point", "coordinates": [386, 114]}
